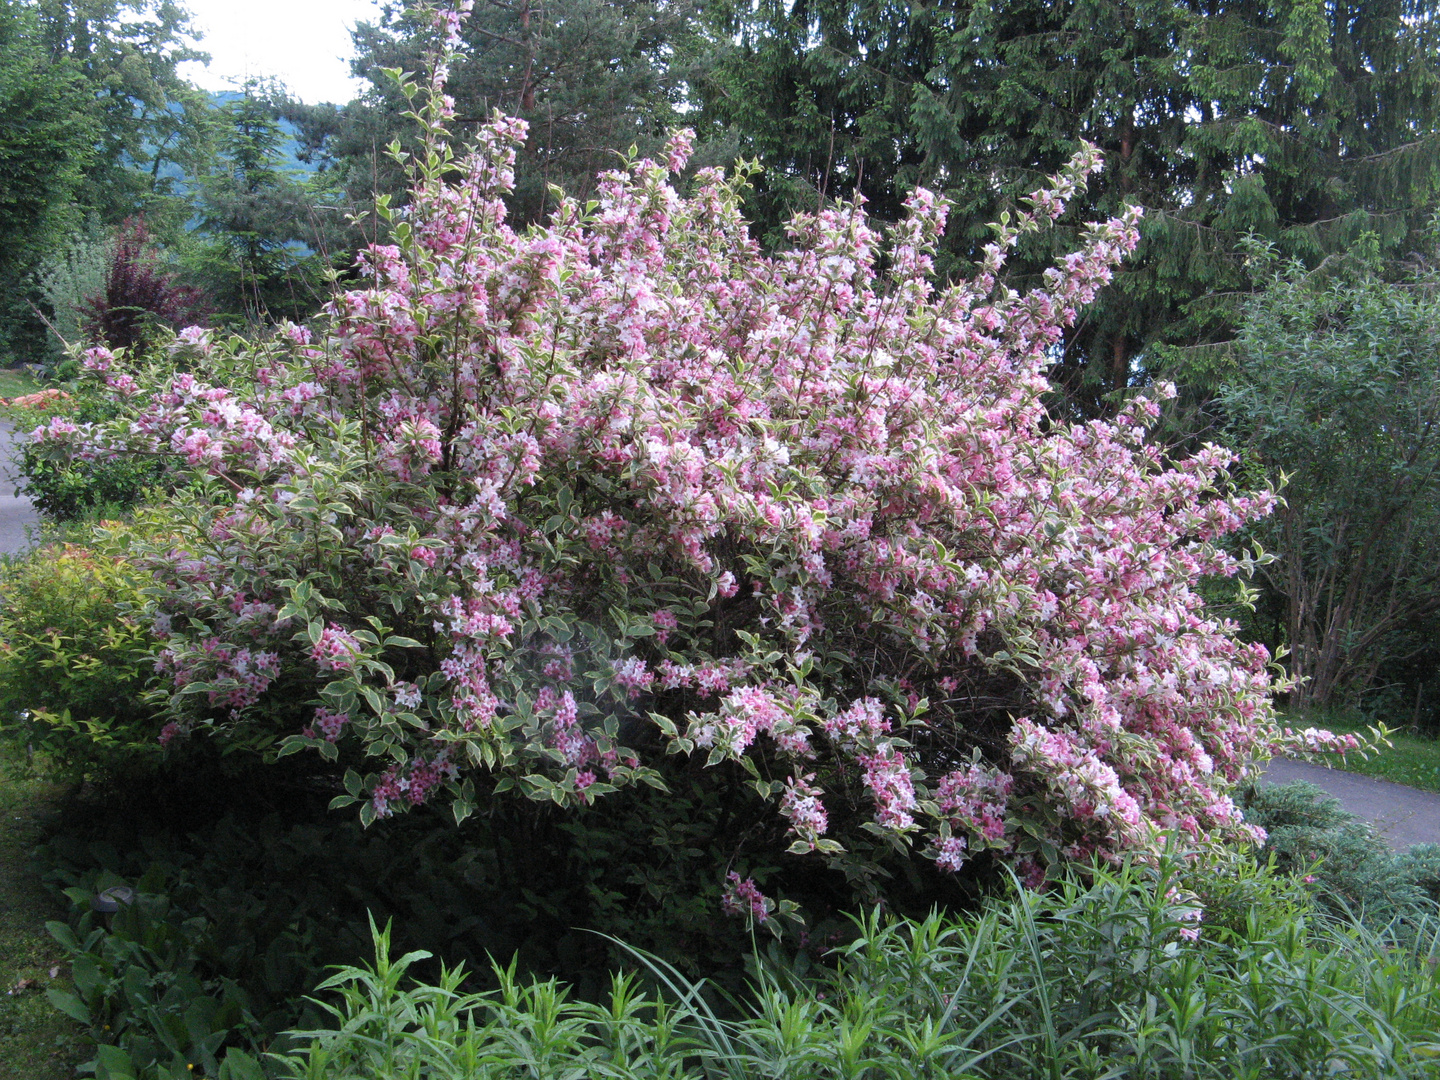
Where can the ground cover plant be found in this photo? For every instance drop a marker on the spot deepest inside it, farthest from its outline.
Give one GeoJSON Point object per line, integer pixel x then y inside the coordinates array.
{"type": "Point", "coordinates": [36, 1042]}
{"type": "Point", "coordinates": [1353, 870]}
{"type": "Point", "coordinates": [536, 511]}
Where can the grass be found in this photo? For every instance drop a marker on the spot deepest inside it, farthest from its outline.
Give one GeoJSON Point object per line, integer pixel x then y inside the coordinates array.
{"type": "Point", "coordinates": [36, 1042]}
{"type": "Point", "coordinates": [17, 381]}
{"type": "Point", "coordinates": [1412, 758]}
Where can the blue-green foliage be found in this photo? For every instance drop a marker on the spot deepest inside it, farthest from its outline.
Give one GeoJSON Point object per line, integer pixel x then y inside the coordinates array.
{"type": "Point", "coordinates": [1353, 869]}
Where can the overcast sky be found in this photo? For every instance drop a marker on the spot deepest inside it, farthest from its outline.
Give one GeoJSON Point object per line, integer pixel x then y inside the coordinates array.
{"type": "Point", "coordinates": [303, 43]}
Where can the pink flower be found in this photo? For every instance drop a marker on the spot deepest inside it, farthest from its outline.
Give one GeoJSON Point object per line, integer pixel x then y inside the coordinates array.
{"type": "Point", "coordinates": [744, 898]}
{"type": "Point", "coordinates": [336, 649]}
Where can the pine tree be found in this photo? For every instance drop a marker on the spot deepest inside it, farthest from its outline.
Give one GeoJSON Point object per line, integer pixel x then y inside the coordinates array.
{"type": "Point", "coordinates": [1302, 122]}
{"type": "Point", "coordinates": [257, 257]}
{"type": "Point", "coordinates": [591, 77]}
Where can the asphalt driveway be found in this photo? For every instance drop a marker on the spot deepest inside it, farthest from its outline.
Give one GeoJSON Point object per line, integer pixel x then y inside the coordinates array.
{"type": "Point", "coordinates": [1402, 815]}
{"type": "Point", "coordinates": [16, 512]}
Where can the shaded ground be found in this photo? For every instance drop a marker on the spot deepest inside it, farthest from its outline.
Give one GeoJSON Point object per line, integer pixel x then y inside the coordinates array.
{"type": "Point", "coordinates": [1402, 815]}
{"type": "Point", "coordinates": [36, 1042]}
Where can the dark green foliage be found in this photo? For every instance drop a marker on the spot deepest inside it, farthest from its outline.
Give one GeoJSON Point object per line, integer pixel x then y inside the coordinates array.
{"type": "Point", "coordinates": [258, 222]}
{"type": "Point", "coordinates": [1303, 123]}
{"type": "Point", "coordinates": [152, 124]}
{"type": "Point", "coordinates": [46, 145]}
{"type": "Point", "coordinates": [139, 988]}
{"type": "Point", "coordinates": [1352, 868]}
{"type": "Point", "coordinates": [591, 77]}
{"type": "Point", "coordinates": [249, 907]}
{"type": "Point", "coordinates": [1421, 865]}
{"type": "Point", "coordinates": [66, 493]}
{"type": "Point", "coordinates": [1338, 388]}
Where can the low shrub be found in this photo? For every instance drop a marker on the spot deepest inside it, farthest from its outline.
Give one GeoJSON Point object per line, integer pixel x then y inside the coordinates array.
{"type": "Point", "coordinates": [1352, 868]}
{"type": "Point", "coordinates": [140, 989]}
{"type": "Point", "coordinates": [1091, 981]}
{"type": "Point", "coordinates": [68, 491]}
{"type": "Point", "coordinates": [75, 657]}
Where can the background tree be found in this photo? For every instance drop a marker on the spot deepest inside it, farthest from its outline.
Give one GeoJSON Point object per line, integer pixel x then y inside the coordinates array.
{"type": "Point", "coordinates": [258, 223]}
{"type": "Point", "coordinates": [1339, 389]}
{"type": "Point", "coordinates": [591, 77]}
{"type": "Point", "coordinates": [153, 125]}
{"type": "Point", "coordinates": [1304, 123]}
{"type": "Point", "coordinates": [46, 137]}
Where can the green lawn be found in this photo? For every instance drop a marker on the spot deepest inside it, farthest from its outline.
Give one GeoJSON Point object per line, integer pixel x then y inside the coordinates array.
{"type": "Point", "coordinates": [1412, 758]}
{"type": "Point", "coordinates": [17, 381]}
{"type": "Point", "coordinates": [36, 1042]}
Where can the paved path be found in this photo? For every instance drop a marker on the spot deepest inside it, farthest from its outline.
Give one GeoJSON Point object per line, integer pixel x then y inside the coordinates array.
{"type": "Point", "coordinates": [1402, 815]}
{"type": "Point", "coordinates": [16, 513]}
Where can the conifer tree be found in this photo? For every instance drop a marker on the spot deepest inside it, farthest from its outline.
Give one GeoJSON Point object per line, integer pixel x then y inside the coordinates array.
{"type": "Point", "coordinates": [1304, 123]}
{"type": "Point", "coordinates": [258, 258]}
{"type": "Point", "coordinates": [591, 77]}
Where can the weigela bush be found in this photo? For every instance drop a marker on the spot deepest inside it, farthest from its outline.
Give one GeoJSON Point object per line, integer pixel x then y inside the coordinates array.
{"type": "Point", "coordinates": [536, 507]}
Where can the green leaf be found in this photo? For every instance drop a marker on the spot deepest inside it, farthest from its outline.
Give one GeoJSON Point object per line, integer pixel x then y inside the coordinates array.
{"type": "Point", "coordinates": [69, 1004]}
{"type": "Point", "coordinates": [113, 1063]}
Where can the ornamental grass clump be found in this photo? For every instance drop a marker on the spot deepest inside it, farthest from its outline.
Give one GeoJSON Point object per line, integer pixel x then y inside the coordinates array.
{"type": "Point", "coordinates": [533, 509]}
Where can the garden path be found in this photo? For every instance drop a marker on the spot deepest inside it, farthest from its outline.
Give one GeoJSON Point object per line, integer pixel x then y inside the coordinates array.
{"type": "Point", "coordinates": [1402, 815]}
{"type": "Point", "coordinates": [16, 511]}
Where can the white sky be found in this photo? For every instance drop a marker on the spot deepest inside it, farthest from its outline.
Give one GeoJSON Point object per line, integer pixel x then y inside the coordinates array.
{"type": "Point", "coordinates": [303, 43]}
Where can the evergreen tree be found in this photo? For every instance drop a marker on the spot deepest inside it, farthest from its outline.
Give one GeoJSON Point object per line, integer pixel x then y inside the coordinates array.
{"type": "Point", "coordinates": [1305, 123]}
{"type": "Point", "coordinates": [591, 77]}
{"type": "Point", "coordinates": [258, 220]}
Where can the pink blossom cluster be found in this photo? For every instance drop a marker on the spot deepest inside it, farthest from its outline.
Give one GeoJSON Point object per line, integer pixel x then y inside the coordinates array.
{"type": "Point", "coordinates": [743, 897]}
{"type": "Point", "coordinates": [328, 724]}
{"type": "Point", "coordinates": [804, 510]}
{"type": "Point", "coordinates": [335, 649]}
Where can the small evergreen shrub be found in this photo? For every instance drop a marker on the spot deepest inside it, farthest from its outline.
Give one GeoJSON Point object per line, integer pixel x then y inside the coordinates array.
{"type": "Point", "coordinates": [1352, 868]}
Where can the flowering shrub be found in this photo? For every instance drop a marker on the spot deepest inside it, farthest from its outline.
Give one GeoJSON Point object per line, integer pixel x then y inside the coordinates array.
{"type": "Point", "coordinates": [535, 509]}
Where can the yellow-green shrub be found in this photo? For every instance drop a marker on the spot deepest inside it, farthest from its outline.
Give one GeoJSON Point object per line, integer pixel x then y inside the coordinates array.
{"type": "Point", "coordinates": [75, 658]}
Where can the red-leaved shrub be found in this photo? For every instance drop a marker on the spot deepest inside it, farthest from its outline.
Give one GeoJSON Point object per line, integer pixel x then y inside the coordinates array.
{"type": "Point", "coordinates": [139, 295]}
